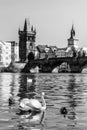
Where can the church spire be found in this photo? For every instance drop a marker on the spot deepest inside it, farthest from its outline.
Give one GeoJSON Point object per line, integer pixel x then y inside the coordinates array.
{"type": "Point", "coordinates": [72, 32]}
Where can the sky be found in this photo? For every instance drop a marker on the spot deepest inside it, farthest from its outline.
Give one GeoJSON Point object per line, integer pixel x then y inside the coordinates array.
{"type": "Point", "coordinates": [52, 19]}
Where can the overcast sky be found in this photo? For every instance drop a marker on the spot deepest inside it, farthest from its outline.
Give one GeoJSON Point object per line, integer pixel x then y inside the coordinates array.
{"type": "Point", "coordinates": [53, 20]}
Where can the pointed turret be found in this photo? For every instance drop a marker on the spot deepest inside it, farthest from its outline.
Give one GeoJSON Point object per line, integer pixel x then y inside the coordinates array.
{"type": "Point", "coordinates": [35, 30]}
{"type": "Point", "coordinates": [25, 25]}
{"type": "Point", "coordinates": [32, 29]}
{"type": "Point", "coordinates": [72, 32]}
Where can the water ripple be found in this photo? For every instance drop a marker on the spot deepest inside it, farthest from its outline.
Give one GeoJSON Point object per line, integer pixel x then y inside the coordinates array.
{"type": "Point", "coordinates": [61, 90]}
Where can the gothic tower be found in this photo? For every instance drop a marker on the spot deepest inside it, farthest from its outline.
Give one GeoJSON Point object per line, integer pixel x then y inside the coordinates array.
{"type": "Point", "coordinates": [26, 41]}
{"type": "Point", "coordinates": [72, 42]}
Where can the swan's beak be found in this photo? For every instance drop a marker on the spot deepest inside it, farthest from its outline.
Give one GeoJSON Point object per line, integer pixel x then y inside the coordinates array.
{"type": "Point", "coordinates": [43, 93]}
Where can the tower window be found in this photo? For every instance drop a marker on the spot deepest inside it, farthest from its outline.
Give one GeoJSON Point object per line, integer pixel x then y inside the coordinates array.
{"type": "Point", "coordinates": [30, 38]}
{"type": "Point", "coordinates": [30, 44]}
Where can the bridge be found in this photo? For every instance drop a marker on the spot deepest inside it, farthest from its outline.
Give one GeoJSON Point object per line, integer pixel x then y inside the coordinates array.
{"type": "Point", "coordinates": [47, 65]}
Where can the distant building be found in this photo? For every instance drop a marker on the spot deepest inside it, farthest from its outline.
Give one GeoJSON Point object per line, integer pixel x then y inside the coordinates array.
{"type": "Point", "coordinates": [72, 41]}
{"type": "Point", "coordinates": [14, 51]}
{"type": "Point", "coordinates": [84, 49]}
{"type": "Point", "coordinates": [50, 53]}
{"type": "Point", "coordinates": [69, 52]}
{"type": "Point", "coordinates": [26, 41]}
{"type": "Point", "coordinates": [72, 47]}
{"type": "Point", "coordinates": [41, 53]}
{"type": "Point", "coordinates": [60, 52]}
{"type": "Point", "coordinates": [5, 54]}
{"type": "Point", "coordinates": [9, 52]}
{"type": "Point", "coordinates": [53, 48]}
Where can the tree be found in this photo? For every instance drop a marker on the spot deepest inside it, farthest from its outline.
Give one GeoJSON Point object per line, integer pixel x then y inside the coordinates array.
{"type": "Point", "coordinates": [74, 51]}
{"type": "Point", "coordinates": [31, 56]}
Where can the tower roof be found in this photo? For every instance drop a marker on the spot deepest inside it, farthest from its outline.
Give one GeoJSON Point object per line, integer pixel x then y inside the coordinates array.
{"type": "Point", "coordinates": [72, 32]}
{"type": "Point", "coordinates": [27, 25]}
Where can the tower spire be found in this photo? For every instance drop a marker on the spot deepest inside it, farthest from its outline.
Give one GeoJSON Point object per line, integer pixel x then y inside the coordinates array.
{"type": "Point", "coordinates": [27, 38]}
{"type": "Point", "coordinates": [72, 32]}
{"type": "Point", "coordinates": [32, 29]}
{"type": "Point", "coordinates": [25, 25]}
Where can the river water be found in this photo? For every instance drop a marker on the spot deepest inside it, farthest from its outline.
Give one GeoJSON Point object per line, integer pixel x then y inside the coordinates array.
{"type": "Point", "coordinates": [61, 90]}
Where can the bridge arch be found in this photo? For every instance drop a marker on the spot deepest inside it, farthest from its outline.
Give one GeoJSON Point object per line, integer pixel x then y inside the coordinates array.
{"type": "Point", "coordinates": [63, 67]}
{"type": "Point", "coordinates": [84, 67]}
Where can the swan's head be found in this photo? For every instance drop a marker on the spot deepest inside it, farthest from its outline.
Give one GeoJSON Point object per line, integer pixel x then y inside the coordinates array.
{"type": "Point", "coordinates": [43, 94]}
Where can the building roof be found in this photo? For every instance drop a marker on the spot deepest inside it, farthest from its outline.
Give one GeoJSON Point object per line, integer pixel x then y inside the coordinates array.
{"type": "Point", "coordinates": [64, 49]}
{"type": "Point", "coordinates": [50, 51]}
{"type": "Point", "coordinates": [41, 48]}
{"type": "Point", "coordinates": [53, 48]}
{"type": "Point", "coordinates": [1, 42]}
{"type": "Point", "coordinates": [13, 43]}
{"type": "Point", "coordinates": [28, 28]}
{"type": "Point", "coordinates": [27, 25]}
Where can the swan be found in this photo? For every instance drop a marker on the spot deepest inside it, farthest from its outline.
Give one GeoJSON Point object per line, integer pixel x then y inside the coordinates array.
{"type": "Point", "coordinates": [32, 104]}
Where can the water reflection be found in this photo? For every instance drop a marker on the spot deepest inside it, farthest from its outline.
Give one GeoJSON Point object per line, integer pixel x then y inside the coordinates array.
{"type": "Point", "coordinates": [33, 117]}
{"type": "Point", "coordinates": [31, 120]}
{"type": "Point", "coordinates": [26, 89]}
{"type": "Point", "coordinates": [75, 94]}
{"type": "Point", "coordinates": [72, 92]}
{"type": "Point", "coordinates": [72, 100]}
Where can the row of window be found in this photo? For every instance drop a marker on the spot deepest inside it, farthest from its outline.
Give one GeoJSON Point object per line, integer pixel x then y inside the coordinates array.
{"type": "Point", "coordinates": [6, 58]}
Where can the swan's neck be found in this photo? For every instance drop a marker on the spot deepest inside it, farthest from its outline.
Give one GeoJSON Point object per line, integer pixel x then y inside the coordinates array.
{"type": "Point", "coordinates": [43, 103]}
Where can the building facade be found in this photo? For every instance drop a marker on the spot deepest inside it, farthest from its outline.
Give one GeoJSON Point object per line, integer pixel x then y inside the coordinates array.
{"type": "Point", "coordinates": [60, 52]}
{"type": "Point", "coordinates": [5, 54]}
{"type": "Point", "coordinates": [14, 51]}
{"type": "Point", "coordinates": [41, 53]}
{"type": "Point", "coordinates": [9, 52]}
{"type": "Point", "coordinates": [26, 41]}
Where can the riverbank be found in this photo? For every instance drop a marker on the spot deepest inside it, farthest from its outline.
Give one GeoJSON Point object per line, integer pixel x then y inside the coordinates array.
{"type": "Point", "coordinates": [13, 67]}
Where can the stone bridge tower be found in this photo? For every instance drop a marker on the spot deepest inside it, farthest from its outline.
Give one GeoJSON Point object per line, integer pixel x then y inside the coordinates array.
{"type": "Point", "coordinates": [26, 41]}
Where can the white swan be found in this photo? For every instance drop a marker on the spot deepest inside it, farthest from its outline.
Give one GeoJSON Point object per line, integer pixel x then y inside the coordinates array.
{"type": "Point", "coordinates": [32, 104]}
